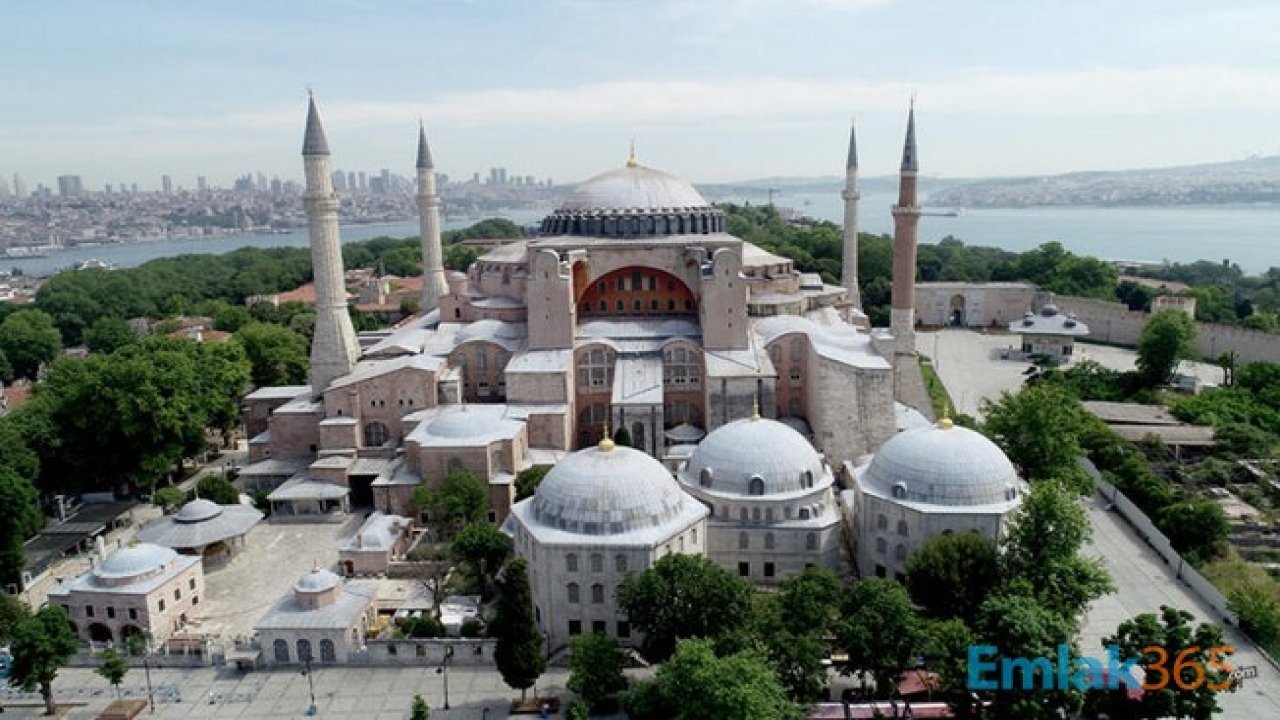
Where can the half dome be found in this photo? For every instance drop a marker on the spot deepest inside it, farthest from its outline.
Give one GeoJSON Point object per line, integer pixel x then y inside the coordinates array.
{"type": "Point", "coordinates": [608, 491]}
{"type": "Point", "coordinates": [942, 465]}
{"type": "Point", "coordinates": [757, 451]}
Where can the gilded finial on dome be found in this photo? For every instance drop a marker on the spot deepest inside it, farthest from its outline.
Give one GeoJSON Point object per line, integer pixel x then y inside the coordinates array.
{"type": "Point", "coordinates": [755, 409]}
{"type": "Point", "coordinates": [606, 442]}
{"type": "Point", "coordinates": [945, 423]}
{"type": "Point", "coordinates": [315, 565]}
{"type": "Point", "coordinates": [631, 159]}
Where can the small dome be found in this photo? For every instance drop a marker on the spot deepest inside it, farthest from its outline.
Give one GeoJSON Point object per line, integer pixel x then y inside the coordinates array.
{"type": "Point", "coordinates": [634, 187]}
{"type": "Point", "coordinates": [198, 510]}
{"type": "Point", "coordinates": [747, 450]}
{"type": "Point", "coordinates": [132, 562]}
{"type": "Point", "coordinates": [608, 490]}
{"type": "Point", "coordinates": [461, 423]}
{"type": "Point", "coordinates": [1049, 310]}
{"type": "Point", "coordinates": [316, 581]}
{"type": "Point", "coordinates": [942, 465]}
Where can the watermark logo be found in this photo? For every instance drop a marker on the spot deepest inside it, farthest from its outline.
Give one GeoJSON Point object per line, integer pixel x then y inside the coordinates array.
{"type": "Point", "coordinates": [1155, 670]}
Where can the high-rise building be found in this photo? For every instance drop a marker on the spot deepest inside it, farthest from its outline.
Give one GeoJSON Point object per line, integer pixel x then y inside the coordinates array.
{"type": "Point", "coordinates": [166, 184]}
{"type": "Point", "coordinates": [133, 188]}
{"type": "Point", "coordinates": [4, 188]}
{"type": "Point", "coordinates": [386, 180]}
{"type": "Point", "coordinates": [339, 181]}
{"type": "Point", "coordinates": [352, 186]}
{"type": "Point", "coordinates": [362, 180]}
{"type": "Point", "coordinates": [70, 186]}
{"type": "Point", "coordinates": [202, 183]}
{"type": "Point", "coordinates": [19, 186]}
{"type": "Point", "coordinates": [529, 181]}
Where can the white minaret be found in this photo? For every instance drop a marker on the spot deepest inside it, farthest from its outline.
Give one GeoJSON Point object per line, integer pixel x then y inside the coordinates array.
{"type": "Point", "coordinates": [849, 266]}
{"type": "Point", "coordinates": [433, 281]}
{"type": "Point", "coordinates": [334, 349]}
{"type": "Point", "coordinates": [906, 221]}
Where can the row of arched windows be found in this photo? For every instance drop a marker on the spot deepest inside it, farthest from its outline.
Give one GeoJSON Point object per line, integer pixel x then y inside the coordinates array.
{"type": "Point", "coordinates": [280, 649]}
{"type": "Point", "coordinates": [574, 593]}
{"type": "Point", "coordinates": [702, 222]}
{"type": "Point", "coordinates": [596, 561]}
{"type": "Point", "coordinates": [744, 541]}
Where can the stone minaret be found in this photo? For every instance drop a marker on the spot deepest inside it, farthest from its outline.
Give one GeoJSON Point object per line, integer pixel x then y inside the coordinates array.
{"type": "Point", "coordinates": [334, 349]}
{"type": "Point", "coordinates": [849, 268]}
{"type": "Point", "coordinates": [433, 280]}
{"type": "Point", "coordinates": [906, 218]}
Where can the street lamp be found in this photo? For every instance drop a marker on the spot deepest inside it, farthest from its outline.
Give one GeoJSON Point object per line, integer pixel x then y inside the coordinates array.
{"type": "Point", "coordinates": [444, 670]}
{"type": "Point", "coordinates": [311, 687]}
{"type": "Point", "coordinates": [138, 644]}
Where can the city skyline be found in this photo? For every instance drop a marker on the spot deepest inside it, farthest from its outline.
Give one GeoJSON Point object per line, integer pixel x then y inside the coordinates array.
{"type": "Point", "coordinates": [709, 91]}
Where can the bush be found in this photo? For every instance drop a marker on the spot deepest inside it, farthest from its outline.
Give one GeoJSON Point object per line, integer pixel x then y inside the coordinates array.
{"type": "Point", "coordinates": [1259, 615]}
{"type": "Point", "coordinates": [472, 628]}
{"type": "Point", "coordinates": [423, 626]}
{"type": "Point", "coordinates": [577, 709]}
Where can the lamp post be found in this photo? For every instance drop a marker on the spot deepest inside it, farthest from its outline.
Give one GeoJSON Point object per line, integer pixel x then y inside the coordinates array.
{"type": "Point", "coordinates": [444, 670]}
{"type": "Point", "coordinates": [311, 687]}
{"type": "Point", "coordinates": [138, 644]}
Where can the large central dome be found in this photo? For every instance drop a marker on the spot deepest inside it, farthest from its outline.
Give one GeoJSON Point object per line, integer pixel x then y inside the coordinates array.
{"type": "Point", "coordinates": [634, 201]}
{"type": "Point", "coordinates": [634, 187]}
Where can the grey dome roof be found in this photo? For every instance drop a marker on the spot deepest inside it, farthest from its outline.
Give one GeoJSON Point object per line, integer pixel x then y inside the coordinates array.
{"type": "Point", "coordinates": [198, 510]}
{"type": "Point", "coordinates": [634, 187]}
{"type": "Point", "coordinates": [461, 423]}
{"type": "Point", "coordinates": [745, 449]}
{"type": "Point", "coordinates": [317, 580]}
{"type": "Point", "coordinates": [133, 562]}
{"type": "Point", "coordinates": [608, 491]}
{"type": "Point", "coordinates": [942, 465]}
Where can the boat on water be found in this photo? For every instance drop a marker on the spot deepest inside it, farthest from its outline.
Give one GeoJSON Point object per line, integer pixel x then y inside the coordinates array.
{"type": "Point", "coordinates": [93, 264]}
{"type": "Point", "coordinates": [950, 212]}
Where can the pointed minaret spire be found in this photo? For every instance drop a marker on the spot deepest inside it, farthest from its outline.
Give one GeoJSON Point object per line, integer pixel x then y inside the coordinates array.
{"type": "Point", "coordinates": [424, 150]}
{"type": "Point", "coordinates": [849, 263]}
{"type": "Point", "coordinates": [906, 221]}
{"type": "Point", "coordinates": [334, 348]}
{"type": "Point", "coordinates": [314, 141]}
{"type": "Point", "coordinates": [434, 284]}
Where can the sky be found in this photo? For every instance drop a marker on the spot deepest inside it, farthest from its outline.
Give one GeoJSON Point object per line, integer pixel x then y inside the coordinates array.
{"type": "Point", "coordinates": [711, 90]}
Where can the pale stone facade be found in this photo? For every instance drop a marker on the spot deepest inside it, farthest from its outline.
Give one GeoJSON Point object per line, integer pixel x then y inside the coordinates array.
{"type": "Point", "coordinates": [323, 619]}
{"type": "Point", "coordinates": [972, 305]}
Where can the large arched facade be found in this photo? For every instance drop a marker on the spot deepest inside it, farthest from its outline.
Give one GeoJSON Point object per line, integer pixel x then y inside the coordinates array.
{"type": "Point", "coordinates": [636, 291]}
{"type": "Point", "coordinates": [483, 366]}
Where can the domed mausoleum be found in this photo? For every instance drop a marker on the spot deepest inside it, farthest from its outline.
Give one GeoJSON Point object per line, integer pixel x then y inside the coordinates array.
{"type": "Point", "coordinates": [599, 514]}
{"type": "Point", "coordinates": [926, 482]}
{"type": "Point", "coordinates": [773, 510]}
{"type": "Point", "coordinates": [142, 589]}
{"type": "Point", "coordinates": [324, 619]}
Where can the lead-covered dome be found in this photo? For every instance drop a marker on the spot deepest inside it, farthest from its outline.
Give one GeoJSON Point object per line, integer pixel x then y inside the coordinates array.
{"type": "Point", "coordinates": [134, 563]}
{"type": "Point", "coordinates": [608, 490]}
{"type": "Point", "coordinates": [198, 510]}
{"type": "Point", "coordinates": [316, 581]}
{"type": "Point", "coordinates": [942, 465]}
{"type": "Point", "coordinates": [634, 201]}
{"type": "Point", "coordinates": [755, 456]}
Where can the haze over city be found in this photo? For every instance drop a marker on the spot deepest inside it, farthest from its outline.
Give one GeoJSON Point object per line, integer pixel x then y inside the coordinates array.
{"type": "Point", "coordinates": [711, 91]}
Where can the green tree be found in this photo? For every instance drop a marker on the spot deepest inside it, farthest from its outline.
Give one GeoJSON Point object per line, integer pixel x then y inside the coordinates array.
{"type": "Point", "coordinates": [879, 631]}
{"type": "Point", "coordinates": [1188, 654]}
{"type": "Point", "coordinates": [277, 355]}
{"type": "Point", "coordinates": [168, 498]}
{"type": "Point", "coordinates": [6, 369]}
{"type": "Point", "coordinates": [12, 613]}
{"type": "Point", "coordinates": [216, 489]}
{"type": "Point", "coordinates": [951, 575]}
{"type": "Point", "coordinates": [1196, 528]}
{"type": "Point", "coordinates": [484, 548]}
{"type": "Point", "coordinates": [622, 436]}
{"type": "Point", "coordinates": [794, 624]}
{"type": "Point", "coordinates": [41, 645]}
{"type": "Point", "coordinates": [418, 710]}
{"type": "Point", "coordinates": [1165, 340]}
{"type": "Point", "coordinates": [595, 668]}
{"type": "Point", "coordinates": [684, 596]}
{"type": "Point", "coordinates": [1039, 428]}
{"type": "Point", "coordinates": [518, 653]}
{"type": "Point", "coordinates": [1042, 551]}
{"type": "Point", "coordinates": [577, 709]}
{"type": "Point", "coordinates": [461, 500]}
{"type": "Point", "coordinates": [1019, 626]}
{"type": "Point", "coordinates": [1259, 614]}
{"type": "Point", "coordinates": [29, 339]}
{"type": "Point", "coordinates": [108, 334]}
{"type": "Point", "coordinates": [695, 684]}
{"type": "Point", "coordinates": [113, 668]}
{"type": "Point", "coordinates": [19, 500]}
{"type": "Point", "coordinates": [527, 480]}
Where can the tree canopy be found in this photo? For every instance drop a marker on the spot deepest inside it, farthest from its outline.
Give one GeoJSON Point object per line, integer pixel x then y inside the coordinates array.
{"type": "Point", "coordinates": [1164, 342]}
{"type": "Point", "coordinates": [41, 645]}
{"type": "Point", "coordinates": [518, 653]}
{"type": "Point", "coordinates": [276, 354]}
{"type": "Point", "coordinates": [951, 575]}
{"type": "Point", "coordinates": [1039, 428]}
{"type": "Point", "coordinates": [879, 631]}
{"type": "Point", "coordinates": [460, 500]}
{"type": "Point", "coordinates": [696, 684]}
{"type": "Point", "coordinates": [595, 668]}
{"type": "Point", "coordinates": [29, 340]}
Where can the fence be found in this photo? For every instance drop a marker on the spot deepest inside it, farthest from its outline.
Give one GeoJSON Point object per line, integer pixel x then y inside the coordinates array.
{"type": "Point", "coordinates": [1146, 529]}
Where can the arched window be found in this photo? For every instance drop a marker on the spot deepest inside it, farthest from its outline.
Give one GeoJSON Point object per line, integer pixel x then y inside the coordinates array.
{"type": "Point", "coordinates": [572, 591]}
{"type": "Point", "coordinates": [326, 651]}
{"type": "Point", "coordinates": [900, 491]}
{"type": "Point", "coordinates": [280, 649]}
{"type": "Point", "coordinates": [571, 562]}
{"type": "Point", "coordinates": [804, 513]}
{"type": "Point", "coordinates": [704, 477]}
{"type": "Point", "coordinates": [756, 486]}
{"type": "Point", "coordinates": [900, 552]}
{"type": "Point", "coordinates": [743, 541]}
{"type": "Point", "coordinates": [806, 479]}
{"type": "Point", "coordinates": [881, 546]}
{"type": "Point", "coordinates": [597, 562]}
{"type": "Point", "coordinates": [882, 522]}
{"type": "Point", "coordinates": [376, 434]}
{"type": "Point", "coordinates": [693, 537]}
{"type": "Point", "coordinates": [902, 528]}
{"type": "Point", "coordinates": [768, 514]}
{"type": "Point", "coordinates": [768, 541]}
{"type": "Point", "coordinates": [597, 593]}
{"type": "Point", "coordinates": [755, 514]}
{"type": "Point", "coordinates": [304, 650]}
{"type": "Point", "coordinates": [811, 541]}
{"type": "Point", "coordinates": [620, 563]}
{"type": "Point", "coordinates": [743, 515]}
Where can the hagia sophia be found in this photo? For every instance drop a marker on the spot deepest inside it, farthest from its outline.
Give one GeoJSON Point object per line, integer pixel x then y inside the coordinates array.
{"type": "Point", "coordinates": [770, 427]}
